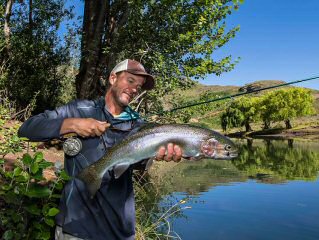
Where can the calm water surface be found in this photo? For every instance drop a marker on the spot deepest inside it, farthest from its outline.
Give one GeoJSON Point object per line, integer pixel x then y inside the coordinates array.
{"type": "Point", "coordinates": [271, 191]}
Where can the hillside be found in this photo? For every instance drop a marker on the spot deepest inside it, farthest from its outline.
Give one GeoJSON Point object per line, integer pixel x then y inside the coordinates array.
{"type": "Point", "coordinates": [208, 114]}
{"type": "Point", "coordinates": [198, 88]}
{"type": "Point", "coordinates": [193, 94]}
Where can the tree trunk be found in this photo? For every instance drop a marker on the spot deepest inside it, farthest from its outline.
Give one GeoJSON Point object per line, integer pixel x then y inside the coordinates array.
{"type": "Point", "coordinates": [250, 144]}
{"type": "Point", "coordinates": [248, 127]}
{"type": "Point", "coordinates": [290, 143]}
{"type": "Point", "coordinates": [6, 27]}
{"type": "Point", "coordinates": [87, 80]}
{"type": "Point", "coordinates": [101, 21]}
{"type": "Point", "coordinates": [268, 144]}
{"type": "Point", "coordinates": [288, 124]}
{"type": "Point", "coordinates": [30, 15]}
{"type": "Point", "coordinates": [266, 124]}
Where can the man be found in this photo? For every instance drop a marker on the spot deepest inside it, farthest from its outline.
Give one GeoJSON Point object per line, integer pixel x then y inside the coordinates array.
{"type": "Point", "coordinates": [110, 214]}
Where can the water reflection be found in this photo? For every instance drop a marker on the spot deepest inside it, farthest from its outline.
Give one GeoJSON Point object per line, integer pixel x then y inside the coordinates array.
{"type": "Point", "coordinates": [270, 191]}
{"type": "Point", "coordinates": [280, 159]}
{"type": "Point", "coordinates": [268, 161]}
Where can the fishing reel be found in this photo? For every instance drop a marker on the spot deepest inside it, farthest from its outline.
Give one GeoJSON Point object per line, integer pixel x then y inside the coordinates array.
{"type": "Point", "coordinates": [72, 145]}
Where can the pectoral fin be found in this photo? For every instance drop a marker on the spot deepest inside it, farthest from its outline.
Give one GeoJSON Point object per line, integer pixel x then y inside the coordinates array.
{"type": "Point", "coordinates": [194, 158]}
{"type": "Point", "coordinates": [149, 163]}
{"type": "Point", "coordinates": [119, 169]}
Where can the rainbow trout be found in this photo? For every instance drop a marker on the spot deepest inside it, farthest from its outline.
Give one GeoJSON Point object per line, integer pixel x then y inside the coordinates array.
{"type": "Point", "coordinates": [196, 143]}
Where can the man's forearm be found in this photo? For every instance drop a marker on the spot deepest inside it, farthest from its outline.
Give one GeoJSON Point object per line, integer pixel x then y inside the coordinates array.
{"type": "Point", "coordinates": [69, 125]}
{"type": "Point", "coordinates": [84, 127]}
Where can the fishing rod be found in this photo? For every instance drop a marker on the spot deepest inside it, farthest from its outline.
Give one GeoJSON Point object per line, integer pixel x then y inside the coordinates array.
{"type": "Point", "coordinates": [72, 145]}
{"type": "Point", "coordinates": [230, 96]}
{"type": "Point", "coordinates": [222, 98]}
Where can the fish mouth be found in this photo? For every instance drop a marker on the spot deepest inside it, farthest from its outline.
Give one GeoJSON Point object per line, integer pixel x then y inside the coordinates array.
{"type": "Point", "coordinates": [225, 155]}
{"type": "Point", "coordinates": [232, 154]}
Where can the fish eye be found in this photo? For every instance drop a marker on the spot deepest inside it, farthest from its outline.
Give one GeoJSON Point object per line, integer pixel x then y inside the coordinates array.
{"type": "Point", "coordinates": [228, 147]}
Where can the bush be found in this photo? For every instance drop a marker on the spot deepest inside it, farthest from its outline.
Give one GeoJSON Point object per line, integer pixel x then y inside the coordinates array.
{"type": "Point", "coordinates": [28, 202]}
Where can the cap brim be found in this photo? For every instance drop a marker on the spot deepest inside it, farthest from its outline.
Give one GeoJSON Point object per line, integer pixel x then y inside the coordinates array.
{"type": "Point", "coordinates": [149, 79]}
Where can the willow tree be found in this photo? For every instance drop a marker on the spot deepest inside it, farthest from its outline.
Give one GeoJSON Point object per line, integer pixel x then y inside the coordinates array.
{"type": "Point", "coordinates": [175, 40]}
{"type": "Point", "coordinates": [286, 104]}
{"type": "Point", "coordinates": [241, 112]}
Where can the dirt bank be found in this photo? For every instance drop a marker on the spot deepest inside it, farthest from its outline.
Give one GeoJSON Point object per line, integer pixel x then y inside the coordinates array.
{"type": "Point", "coordinates": [309, 132]}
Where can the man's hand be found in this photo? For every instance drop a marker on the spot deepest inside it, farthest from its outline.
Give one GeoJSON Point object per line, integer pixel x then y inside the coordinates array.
{"type": "Point", "coordinates": [84, 127]}
{"type": "Point", "coordinates": [174, 152]}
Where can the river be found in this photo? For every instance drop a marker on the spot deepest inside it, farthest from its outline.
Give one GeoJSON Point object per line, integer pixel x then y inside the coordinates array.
{"type": "Point", "coordinates": [271, 191]}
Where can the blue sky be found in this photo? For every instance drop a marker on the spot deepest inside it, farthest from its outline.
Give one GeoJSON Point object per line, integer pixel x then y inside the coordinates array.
{"type": "Point", "coordinates": [278, 40]}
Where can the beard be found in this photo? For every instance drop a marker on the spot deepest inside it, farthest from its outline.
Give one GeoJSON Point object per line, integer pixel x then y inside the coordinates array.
{"type": "Point", "coordinates": [121, 97]}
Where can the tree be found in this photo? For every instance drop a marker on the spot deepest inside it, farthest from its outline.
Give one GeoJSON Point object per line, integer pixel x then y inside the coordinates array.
{"type": "Point", "coordinates": [241, 112]}
{"type": "Point", "coordinates": [36, 54]}
{"type": "Point", "coordinates": [175, 40]}
{"type": "Point", "coordinates": [6, 27]}
{"type": "Point", "coordinates": [286, 104]}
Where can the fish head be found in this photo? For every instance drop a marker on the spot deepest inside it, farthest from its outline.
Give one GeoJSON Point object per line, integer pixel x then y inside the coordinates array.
{"type": "Point", "coordinates": [219, 148]}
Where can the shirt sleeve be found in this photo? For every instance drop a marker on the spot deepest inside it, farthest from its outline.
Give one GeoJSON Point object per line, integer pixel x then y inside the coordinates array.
{"type": "Point", "coordinates": [45, 126]}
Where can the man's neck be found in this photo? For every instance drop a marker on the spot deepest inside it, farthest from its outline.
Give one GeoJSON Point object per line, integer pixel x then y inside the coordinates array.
{"type": "Point", "coordinates": [112, 106]}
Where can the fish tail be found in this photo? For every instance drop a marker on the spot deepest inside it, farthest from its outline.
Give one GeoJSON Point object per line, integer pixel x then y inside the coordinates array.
{"type": "Point", "coordinates": [91, 179]}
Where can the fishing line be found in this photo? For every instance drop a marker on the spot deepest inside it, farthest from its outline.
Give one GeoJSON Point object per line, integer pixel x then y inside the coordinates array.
{"type": "Point", "coordinates": [230, 96]}
{"type": "Point", "coordinates": [72, 148]}
{"type": "Point", "coordinates": [160, 113]}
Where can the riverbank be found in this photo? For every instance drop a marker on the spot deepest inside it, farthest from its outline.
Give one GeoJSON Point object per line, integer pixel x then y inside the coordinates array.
{"type": "Point", "coordinates": [309, 132]}
{"type": "Point", "coordinates": [303, 128]}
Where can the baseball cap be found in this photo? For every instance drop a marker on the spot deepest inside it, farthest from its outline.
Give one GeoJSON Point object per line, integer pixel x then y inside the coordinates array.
{"type": "Point", "coordinates": [136, 68]}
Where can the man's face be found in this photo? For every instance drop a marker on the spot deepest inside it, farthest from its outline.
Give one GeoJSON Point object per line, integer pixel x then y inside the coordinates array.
{"type": "Point", "coordinates": [125, 86]}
